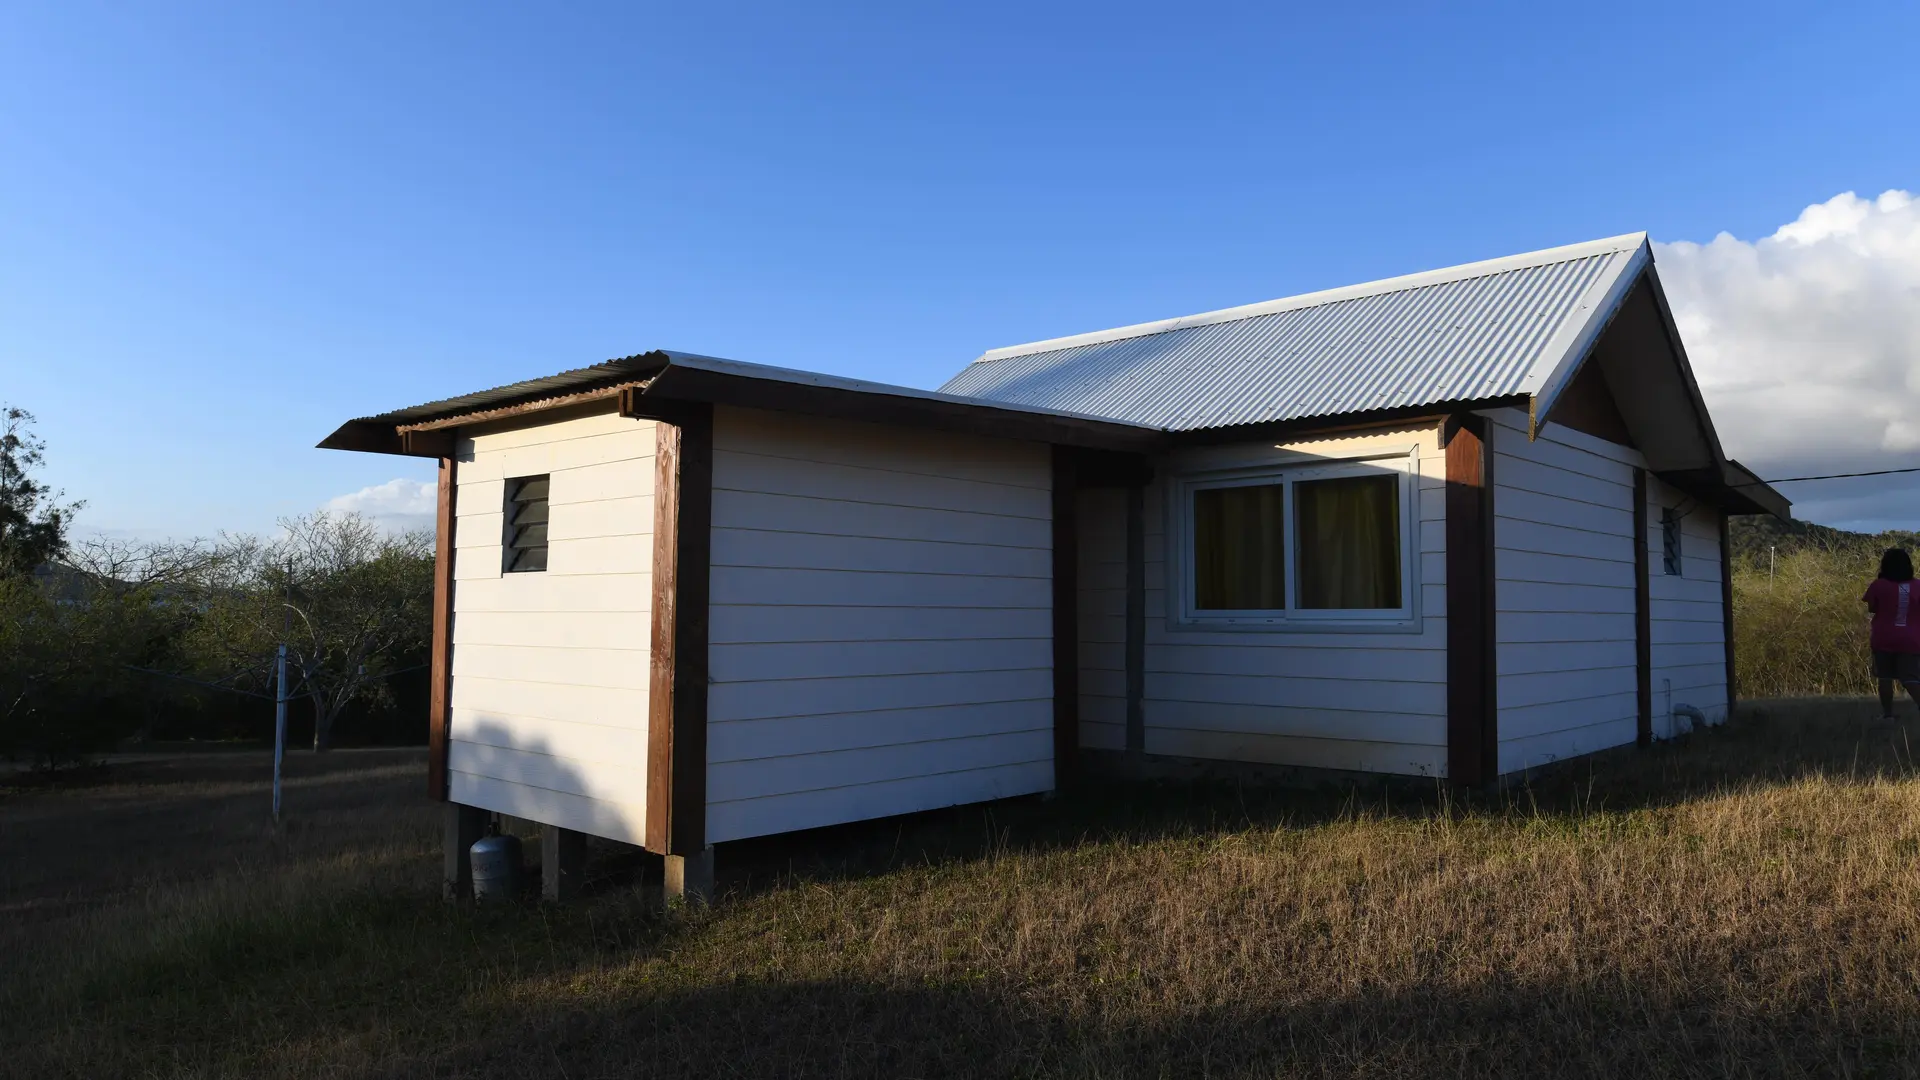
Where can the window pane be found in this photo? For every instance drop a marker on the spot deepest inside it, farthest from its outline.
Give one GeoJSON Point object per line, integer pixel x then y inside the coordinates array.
{"type": "Point", "coordinates": [533, 487]}
{"type": "Point", "coordinates": [1239, 554]}
{"type": "Point", "coordinates": [1349, 542]}
{"type": "Point", "coordinates": [526, 536]}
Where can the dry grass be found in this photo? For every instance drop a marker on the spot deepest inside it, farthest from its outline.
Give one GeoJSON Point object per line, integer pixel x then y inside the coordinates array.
{"type": "Point", "coordinates": [1799, 626]}
{"type": "Point", "coordinates": [1747, 904]}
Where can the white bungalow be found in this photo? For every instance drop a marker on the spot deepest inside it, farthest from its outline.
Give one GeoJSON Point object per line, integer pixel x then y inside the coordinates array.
{"type": "Point", "coordinates": [1457, 524]}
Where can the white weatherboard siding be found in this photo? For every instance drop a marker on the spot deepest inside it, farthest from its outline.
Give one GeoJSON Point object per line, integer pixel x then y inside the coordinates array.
{"type": "Point", "coordinates": [1370, 700]}
{"type": "Point", "coordinates": [1102, 529]}
{"type": "Point", "coordinates": [1563, 593]}
{"type": "Point", "coordinates": [1689, 632]}
{"type": "Point", "coordinates": [550, 669]}
{"type": "Point", "coordinates": [881, 633]}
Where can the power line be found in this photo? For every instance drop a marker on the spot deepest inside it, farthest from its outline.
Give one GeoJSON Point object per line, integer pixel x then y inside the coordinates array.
{"type": "Point", "coordinates": [1842, 476]}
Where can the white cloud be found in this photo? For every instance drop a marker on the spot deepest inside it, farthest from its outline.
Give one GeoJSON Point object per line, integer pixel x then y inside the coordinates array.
{"type": "Point", "coordinates": [1806, 344]}
{"type": "Point", "coordinates": [398, 505]}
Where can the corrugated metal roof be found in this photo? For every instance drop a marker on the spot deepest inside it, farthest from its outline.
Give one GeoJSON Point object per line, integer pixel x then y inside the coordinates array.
{"type": "Point", "coordinates": [1485, 330]}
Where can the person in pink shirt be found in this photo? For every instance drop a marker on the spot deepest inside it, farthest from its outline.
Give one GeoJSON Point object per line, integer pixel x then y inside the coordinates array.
{"type": "Point", "coordinates": [1894, 601]}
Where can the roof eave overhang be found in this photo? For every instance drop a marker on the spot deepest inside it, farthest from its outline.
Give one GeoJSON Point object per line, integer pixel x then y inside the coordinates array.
{"type": "Point", "coordinates": [655, 385]}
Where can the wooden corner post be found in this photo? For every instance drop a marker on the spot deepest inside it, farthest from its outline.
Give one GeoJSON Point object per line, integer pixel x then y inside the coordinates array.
{"type": "Point", "coordinates": [440, 686]}
{"type": "Point", "coordinates": [1066, 618]}
{"type": "Point", "coordinates": [1642, 614]}
{"type": "Point", "coordinates": [676, 823]}
{"type": "Point", "coordinates": [1473, 740]}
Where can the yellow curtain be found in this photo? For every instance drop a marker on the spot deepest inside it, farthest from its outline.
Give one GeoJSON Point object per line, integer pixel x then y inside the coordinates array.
{"type": "Point", "coordinates": [1348, 542]}
{"type": "Point", "coordinates": [1239, 552]}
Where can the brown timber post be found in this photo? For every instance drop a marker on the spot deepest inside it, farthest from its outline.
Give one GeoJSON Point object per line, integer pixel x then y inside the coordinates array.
{"type": "Point", "coordinates": [676, 821]}
{"type": "Point", "coordinates": [440, 685]}
{"type": "Point", "coordinates": [1642, 613]}
{"type": "Point", "coordinates": [1066, 618]}
{"type": "Point", "coordinates": [1473, 744]}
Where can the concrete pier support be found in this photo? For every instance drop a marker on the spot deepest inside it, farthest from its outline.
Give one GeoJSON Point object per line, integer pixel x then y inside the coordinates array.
{"type": "Point", "coordinates": [689, 877]}
{"type": "Point", "coordinates": [563, 857]}
{"type": "Point", "coordinates": [464, 825]}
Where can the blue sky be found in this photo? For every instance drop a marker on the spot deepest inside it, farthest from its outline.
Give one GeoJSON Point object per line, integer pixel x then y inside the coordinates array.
{"type": "Point", "coordinates": [225, 229]}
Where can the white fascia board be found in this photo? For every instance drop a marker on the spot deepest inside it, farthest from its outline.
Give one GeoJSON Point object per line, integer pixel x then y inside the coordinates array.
{"type": "Point", "coordinates": [1563, 354]}
{"type": "Point", "coordinates": [1570, 252]}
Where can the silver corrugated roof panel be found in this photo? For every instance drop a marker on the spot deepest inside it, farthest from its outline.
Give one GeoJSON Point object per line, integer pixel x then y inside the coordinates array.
{"type": "Point", "coordinates": [1495, 329]}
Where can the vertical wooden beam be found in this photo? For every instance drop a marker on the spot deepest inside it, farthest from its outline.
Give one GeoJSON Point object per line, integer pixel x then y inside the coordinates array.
{"type": "Point", "coordinates": [440, 686]}
{"type": "Point", "coordinates": [1066, 618]}
{"type": "Point", "coordinates": [1473, 740]}
{"type": "Point", "coordinates": [1726, 601]}
{"type": "Point", "coordinates": [1136, 616]}
{"type": "Point", "coordinates": [563, 862]}
{"type": "Point", "coordinates": [1642, 612]}
{"type": "Point", "coordinates": [677, 685]}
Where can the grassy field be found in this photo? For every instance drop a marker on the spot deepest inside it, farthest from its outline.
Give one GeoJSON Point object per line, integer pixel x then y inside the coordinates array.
{"type": "Point", "coordinates": [1745, 903]}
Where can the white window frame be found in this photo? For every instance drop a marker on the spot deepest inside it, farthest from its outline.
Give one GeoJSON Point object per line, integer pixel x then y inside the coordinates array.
{"type": "Point", "coordinates": [1404, 463]}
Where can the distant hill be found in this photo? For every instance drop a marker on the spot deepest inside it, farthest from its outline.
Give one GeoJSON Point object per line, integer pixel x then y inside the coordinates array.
{"type": "Point", "coordinates": [1752, 536]}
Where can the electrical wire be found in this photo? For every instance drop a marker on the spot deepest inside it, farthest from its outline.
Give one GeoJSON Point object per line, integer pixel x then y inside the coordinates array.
{"type": "Point", "coordinates": [1839, 476]}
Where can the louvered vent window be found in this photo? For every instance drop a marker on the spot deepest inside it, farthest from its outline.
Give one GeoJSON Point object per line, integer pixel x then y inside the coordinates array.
{"type": "Point", "coordinates": [526, 540]}
{"type": "Point", "coordinates": [1670, 540]}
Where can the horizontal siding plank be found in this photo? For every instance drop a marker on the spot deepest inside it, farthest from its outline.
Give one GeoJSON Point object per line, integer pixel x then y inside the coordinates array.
{"type": "Point", "coordinates": [507, 434]}
{"type": "Point", "coordinates": [631, 592]}
{"type": "Point", "coordinates": [1525, 474]}
{"type": "Point", "coordinates": [1512, 534]}
{"type": "Point", "coordinates": [773, 549]}
{"type": "Point", "coordinates": [785, 813]}
{"type": "Point", "coordinates": [1520, 505]}
{"type": "Point", "coordinates": [573, 629]}
{"type": "Point", "coordinates": [1565, 447]}
{"type": "Point", "coordinates": [1534, 626]}
{"type": "Point", "coordinates": [1358, 724]}
{"type": "Point", "coordinates": [600, 517]}
{"type": "Point", "coordinates": [790, 774]}
{"type": "Point", "coordinates": [1542, 657]}
{"type": "Point", "coordinates": [1552, 687]}
{"type": "Point", "coordinates": [614, 669]}
{"type": "Point", "coordinates": [535, 459]}
{"type": "Point", "coordinates": [625, 822]}
{"type": "Point", "coordinates": [842, 588]}
{"type": "Point", "coordinates": [1563, 569]}
{"type": "Point", "coordinates": [1523, 722]}
{"type": "Point", "coordinates": [746, 740]}
{"type": "Point", "coordinates": [863, 485]}
{"type": "Point", "coordinates": [1263, 660]}
{"type": "Point", "coordinates": [1579, 601]}
{"type": "Point", "coordinates": [607, 781]}
{"type": "Point", "coordinates": [1541, 750]}
{"type": "Point", "coordinates": [867, 693]}
{"type": "Point", "coordinates": [760, 662]}
{"type": "Point", "coordinates": [1288, 750]}
{"type": "Point", "coordinates": [600, 555]}
{"type": "Point", "coordinates": [586, 745]}
{"type": "Point", "coordinates": [575, 702]}
{"type": "Point", "coordinates": [739, 623]}
{"type": "Point", "coordinates": [1102, 734]}
{"type": "Point", "coordinates": [789, 513]}
{"type": "Point", "coordinates": [1383, 697]}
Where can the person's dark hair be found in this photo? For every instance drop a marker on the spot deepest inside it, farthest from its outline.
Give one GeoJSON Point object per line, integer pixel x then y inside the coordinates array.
{"type": "Point", "coordinates": [1896, 565]}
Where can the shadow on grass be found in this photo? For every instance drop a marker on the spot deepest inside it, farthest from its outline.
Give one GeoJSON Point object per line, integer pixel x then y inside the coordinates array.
{"type": "Point", "coordinates": [862, 1029]}
{"type": "Point", "coordinates": [1768, 743]}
